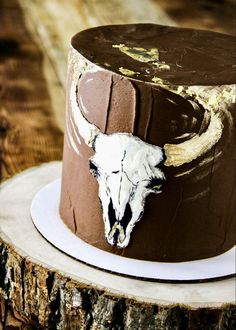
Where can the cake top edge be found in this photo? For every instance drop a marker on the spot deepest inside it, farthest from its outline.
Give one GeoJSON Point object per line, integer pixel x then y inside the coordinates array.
{"type": "Point", "coordinates": [162, 55]}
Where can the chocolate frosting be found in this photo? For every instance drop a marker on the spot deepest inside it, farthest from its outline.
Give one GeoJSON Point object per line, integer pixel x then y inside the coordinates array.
{"type": "Point", "coordinates": [194, 217]}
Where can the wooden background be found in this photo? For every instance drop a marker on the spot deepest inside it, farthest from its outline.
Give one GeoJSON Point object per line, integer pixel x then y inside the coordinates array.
{"type": "Point", "coordinates": [34, 39]}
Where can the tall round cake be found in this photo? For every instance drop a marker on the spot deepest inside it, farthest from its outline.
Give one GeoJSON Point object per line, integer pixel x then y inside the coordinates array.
{"type": "Point", "coordinates": [149, 151]}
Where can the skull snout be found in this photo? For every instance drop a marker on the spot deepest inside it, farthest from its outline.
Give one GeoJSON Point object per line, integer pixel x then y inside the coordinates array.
{"type": "Point", "coordinates": [118, 227]}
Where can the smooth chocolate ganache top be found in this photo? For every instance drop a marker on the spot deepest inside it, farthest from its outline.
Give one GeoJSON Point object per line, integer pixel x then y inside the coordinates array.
{"type": "Point", "coordinates": [149, 151]}
{"type": "Point", "coordinates": [152, 53]}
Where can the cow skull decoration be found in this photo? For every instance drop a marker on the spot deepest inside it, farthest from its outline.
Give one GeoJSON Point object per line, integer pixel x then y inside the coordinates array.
{"type": "Point", "coordinates": [128, 169]}
{"type": "Point", "coordinates": [123, 186]}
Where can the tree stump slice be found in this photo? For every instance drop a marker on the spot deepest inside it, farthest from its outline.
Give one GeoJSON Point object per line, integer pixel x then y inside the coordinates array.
{"type": "Point", "coordinates": [58, 292]}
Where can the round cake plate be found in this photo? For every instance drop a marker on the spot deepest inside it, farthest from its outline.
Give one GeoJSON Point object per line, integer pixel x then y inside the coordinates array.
{"type": "Point", "coordinates": [46, 218]}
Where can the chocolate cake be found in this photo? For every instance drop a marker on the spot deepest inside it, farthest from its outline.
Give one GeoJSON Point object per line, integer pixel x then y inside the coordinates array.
{"type": "Point", "coordinates": [149, 151]}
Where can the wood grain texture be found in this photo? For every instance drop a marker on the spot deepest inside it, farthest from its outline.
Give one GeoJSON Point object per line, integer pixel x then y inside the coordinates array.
{"type": "Point", "coordinates": [57, 21]}
{"type": "Point", "coordinates": [28, 132]}
{"type": "Point", "coordinates": [215, 15]}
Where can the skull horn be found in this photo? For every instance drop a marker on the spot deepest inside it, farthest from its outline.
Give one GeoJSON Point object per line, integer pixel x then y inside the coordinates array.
{"type": "Point", "coordinates": [187, 151]}
{"type": "Point", "coordinates": [216, 102]}
{"type": "Point", "coordinates": [88, 131]}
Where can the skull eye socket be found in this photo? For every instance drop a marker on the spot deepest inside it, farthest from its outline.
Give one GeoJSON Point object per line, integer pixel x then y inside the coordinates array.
{"type": "Point", "coordinates": [93, 169]}
{"type": "Point", "coordinates": [162, 162]}
{"type": "Point", "coordinates": [155, 184]}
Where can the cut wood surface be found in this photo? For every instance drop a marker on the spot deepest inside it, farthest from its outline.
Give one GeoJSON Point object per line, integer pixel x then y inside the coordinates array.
{"type": "Point", "coordinates": [34, 40]}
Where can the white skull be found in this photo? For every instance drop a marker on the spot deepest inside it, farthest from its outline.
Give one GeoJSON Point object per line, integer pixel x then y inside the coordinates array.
{"type": "Point", "coordinates": [127, 171]}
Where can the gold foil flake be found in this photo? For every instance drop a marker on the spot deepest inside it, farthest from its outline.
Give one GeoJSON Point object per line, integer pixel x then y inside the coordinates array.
{"type": "Point", "coordinates": [157, 80]}
{"type": "Point", "coordinates": [139, 54]}
{"type": "Point", "coordinates": [162, 66]}
{"type": "Point", "coordinates": [128, 72]}
{"type": "Point", "coordinates": [144, 55]}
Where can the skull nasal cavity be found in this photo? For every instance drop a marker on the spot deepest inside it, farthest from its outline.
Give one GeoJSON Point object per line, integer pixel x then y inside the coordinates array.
{"type": "Point", "coordinates": [127, 217]}
{"type": "Point", "coordinates": [111, 214]}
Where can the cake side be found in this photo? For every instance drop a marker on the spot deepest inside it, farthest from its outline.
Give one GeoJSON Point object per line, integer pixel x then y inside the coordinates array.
{"type": "Point", "coordinates": [193, 216]}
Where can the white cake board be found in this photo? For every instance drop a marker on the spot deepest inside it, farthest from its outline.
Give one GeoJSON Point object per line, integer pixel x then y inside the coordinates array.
{"type": "Point", "coordinates": [46, 218]}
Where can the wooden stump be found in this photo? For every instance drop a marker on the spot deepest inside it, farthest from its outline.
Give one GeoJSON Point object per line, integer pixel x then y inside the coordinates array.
{"type": "Point", "coordinates": [58, 292]}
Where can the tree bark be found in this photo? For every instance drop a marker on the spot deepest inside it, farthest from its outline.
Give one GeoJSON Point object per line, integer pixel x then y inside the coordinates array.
{"type": "Point", "coordinates": [56, 302]}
